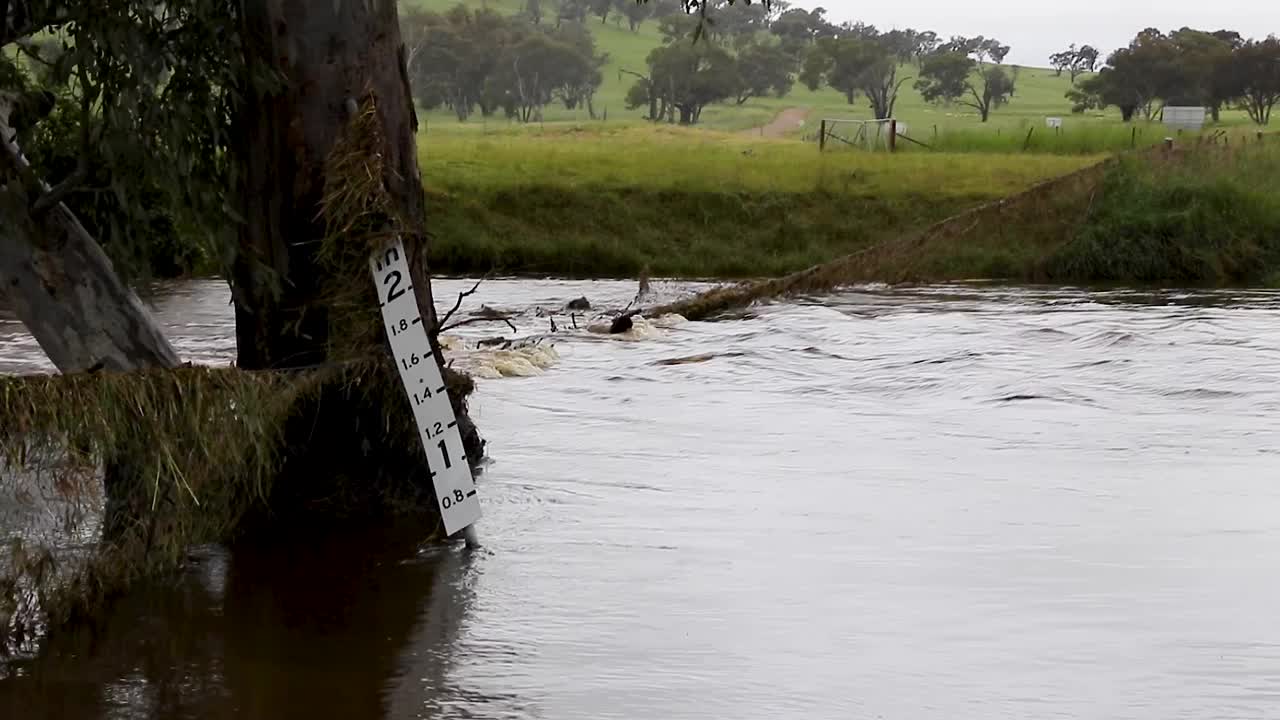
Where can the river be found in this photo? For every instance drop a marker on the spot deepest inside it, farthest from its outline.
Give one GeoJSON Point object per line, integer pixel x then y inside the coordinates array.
{"type": "Point", "coordinates": [942, 502]}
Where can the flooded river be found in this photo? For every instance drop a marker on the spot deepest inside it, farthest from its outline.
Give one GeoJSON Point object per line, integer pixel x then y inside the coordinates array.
{"type": "Point", "coordinates": [949, 502]}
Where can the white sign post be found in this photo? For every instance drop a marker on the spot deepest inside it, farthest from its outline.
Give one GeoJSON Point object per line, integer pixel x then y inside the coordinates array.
{"type": "Point", "coordinates": [423, 383]}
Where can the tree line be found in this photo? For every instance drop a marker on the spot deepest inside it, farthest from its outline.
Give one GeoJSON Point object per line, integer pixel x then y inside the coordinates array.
{"type": "Point", "coordinates": [478, 60]}
{"type": "Point", "coordinates": [1211, 69]}
{"type": "Point", "coordinates": [752, 51]}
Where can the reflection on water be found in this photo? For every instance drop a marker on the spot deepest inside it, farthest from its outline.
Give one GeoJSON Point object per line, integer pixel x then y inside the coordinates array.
{"type": "Point", "coordinates": [955, 502]}
{"type": "Point", "coordinates": [316, 628]}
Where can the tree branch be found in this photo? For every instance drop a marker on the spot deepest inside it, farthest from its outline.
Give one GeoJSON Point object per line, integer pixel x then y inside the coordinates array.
{"type": "Point", "coordinates": [976, 103]}
{"type": "Point", "coordinates": [11, 155]}
{"type": "Point", "coordinates": [56, 194]}
{"type": "Point", "coordinates": [24, 47]}
{"type": "Point", "coordinates": [16, 20]}
{"type": "Point", "coordinates": [77, 177]}
{"type": "Point", "coordinates": [472, 321]}
{"type": "Point", "coordinates": [461, 296]}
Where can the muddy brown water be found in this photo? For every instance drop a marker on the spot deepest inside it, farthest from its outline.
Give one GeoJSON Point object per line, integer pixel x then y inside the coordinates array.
{"type": "Point", "coordinates": [946, 502]}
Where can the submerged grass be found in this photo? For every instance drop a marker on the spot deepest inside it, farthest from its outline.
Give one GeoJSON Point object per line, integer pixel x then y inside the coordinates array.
{"type": "Point", "coordinates": [210, 454]}
{"type": "Point", "coordinates": [195, 455]}
{"type": "Point", "coordinates": [202, 445]}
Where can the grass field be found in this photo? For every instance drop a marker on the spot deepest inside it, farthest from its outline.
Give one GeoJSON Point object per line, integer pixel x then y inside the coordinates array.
{"type": "Point", "coordinates": [690, 203]}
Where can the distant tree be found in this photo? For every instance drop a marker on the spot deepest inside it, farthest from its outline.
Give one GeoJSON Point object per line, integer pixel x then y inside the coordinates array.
{"type": "Point", "coordinates": [1060, 61]}
{"type": "Point", "coordinates": [602, 9]}
{"type": "Point", "coordinates": [684, 78]}
{"type": "Point", "coordinates": [663, 8]}
{"type": "Point", "coordinates": [1203, 71]}
{"type": "Point", "coordinates": [635, 12]}
{"type": "Point", "coordinates": [1075, 61]}
{"type": "Point", "coordinates": [678, 27]}
{"type": "Point", "coordinates": [901, 44]}
{"type": "Point", "coordinates": [927, 42]}
{"type": "Point", "coordinates": [764, 69]}
{"type": "Point", "coordinates": [1255, 69]}
{"type": "Point", "coordinates": [1185, 67]}
{"type": "Point", "coordinates": [857, 64]}
{"type": "Point", "coordinates": [1087, 58]}
{"type": "Point", "coordinates": [798, 28]}
{"type": "Point", "coordinates": [1133, 80]}
{"type": "Point", "coordinates": [981, 49]}
{"type": "Point", "coordinates": [576, 83]}
{"type": "Point", "coordinates": [857, 29]}
{"type": "Point", "coordinates": [739, 19]}
{"type": "Point", "coordinates": [642, 93]}
{"type": "Point", "coordinates": [952, 76]}
{"type": "Point", "coordinates": [572, 11]}
{"type": "Point", "coordinates": [533, 11]}
{"type": "Point", "coordinates": [450, 57]}
{"type": "Point", "coordinates": [465, 59]}
{"type": "Point", "coordinates": [538, 70]}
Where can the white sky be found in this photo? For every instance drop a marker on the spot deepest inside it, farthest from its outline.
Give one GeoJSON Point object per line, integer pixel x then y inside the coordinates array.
{"type": "Point", "coordinates": [1036, 28]}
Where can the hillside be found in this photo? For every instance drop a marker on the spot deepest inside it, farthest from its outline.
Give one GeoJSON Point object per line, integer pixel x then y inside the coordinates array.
{"type": "Point", "coordinates": [1040, 91]}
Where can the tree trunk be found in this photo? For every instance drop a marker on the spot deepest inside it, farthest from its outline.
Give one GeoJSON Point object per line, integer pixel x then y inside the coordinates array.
{"type": "Point", "coordinates": [66, 292]}
{"type": "Point", "coordinates": [332, 55]}
{"type": "Point", "coordinates": [63, 287]}
{"type": "Point", "coordinates": [328, 53]}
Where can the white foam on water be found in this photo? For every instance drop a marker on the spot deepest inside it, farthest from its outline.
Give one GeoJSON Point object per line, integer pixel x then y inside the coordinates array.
{"type": "Point", "coordinates": [493, 363]}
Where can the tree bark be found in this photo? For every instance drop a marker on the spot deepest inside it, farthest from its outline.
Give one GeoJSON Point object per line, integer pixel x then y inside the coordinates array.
{"type": "Point", "coordinates": [63, 287]}
{"type": "Point", "coordinates": [331, 55]}
{"type": "Point", "coordinates": [66, 292]}
{"type": "Point", "coordinates": [328, 53]}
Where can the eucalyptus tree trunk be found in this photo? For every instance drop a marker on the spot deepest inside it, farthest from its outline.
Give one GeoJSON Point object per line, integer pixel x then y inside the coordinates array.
{"type": "Point", "coordinates": [61, 284]}
{"type": "Point", "coordinates": [66, 292]}
{"type": "Point", "coordinates": [331, 56]}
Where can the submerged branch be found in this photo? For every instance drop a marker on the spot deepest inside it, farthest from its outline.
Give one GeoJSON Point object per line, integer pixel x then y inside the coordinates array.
{"type": "Point", "coordinates": [458, 304]}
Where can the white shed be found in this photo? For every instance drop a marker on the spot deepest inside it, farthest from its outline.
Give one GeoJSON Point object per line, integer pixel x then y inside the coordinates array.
{"type": "Point", "coordinates": [1184, 118]}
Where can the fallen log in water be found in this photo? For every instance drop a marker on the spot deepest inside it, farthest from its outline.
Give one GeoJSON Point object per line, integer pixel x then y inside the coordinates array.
{"type": "Point", "coordinates": [1050, 210]}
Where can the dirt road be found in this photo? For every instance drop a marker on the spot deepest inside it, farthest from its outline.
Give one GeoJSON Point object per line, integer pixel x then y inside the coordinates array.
{"type": "Point", "coordinates": [785, 123]}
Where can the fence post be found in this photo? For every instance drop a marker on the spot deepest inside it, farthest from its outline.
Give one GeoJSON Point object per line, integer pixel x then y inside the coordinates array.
{"type": "Point", "coordinates": [822, 136]}
{"type": "Point", "coordinates": [893, 135]}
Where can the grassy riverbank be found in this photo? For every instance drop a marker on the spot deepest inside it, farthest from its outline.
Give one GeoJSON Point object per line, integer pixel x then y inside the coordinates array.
{"type": "Point", "coordinates": [1210, 217]}
{"type": "Point", "coordinates": [695, 204]}
{"type": "Point", "coordinates": [688, 203]}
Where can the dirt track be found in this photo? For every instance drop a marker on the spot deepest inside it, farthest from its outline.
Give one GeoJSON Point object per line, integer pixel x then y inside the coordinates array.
{"type": "Point", "coordinates": [784, 123]}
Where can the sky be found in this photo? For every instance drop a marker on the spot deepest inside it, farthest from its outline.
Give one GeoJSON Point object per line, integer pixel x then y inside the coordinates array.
{"type": "Point", "coordinates": [1036, 29]}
